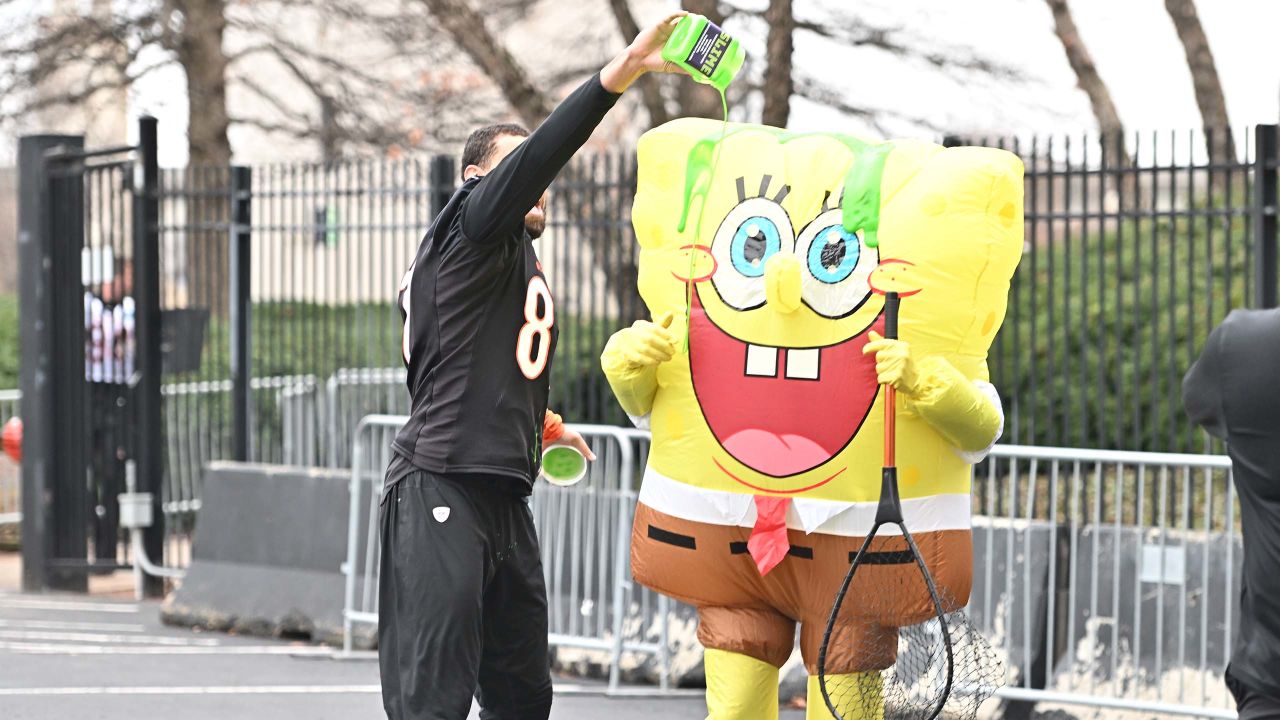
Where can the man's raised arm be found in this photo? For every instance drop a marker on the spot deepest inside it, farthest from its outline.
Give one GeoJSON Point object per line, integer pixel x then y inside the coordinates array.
{"type": "Point", "coordinates": [505, 194]}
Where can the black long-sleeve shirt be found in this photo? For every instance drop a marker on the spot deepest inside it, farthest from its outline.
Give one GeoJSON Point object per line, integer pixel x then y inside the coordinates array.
{"type": "Point", "coordinates": [1233, 391]}
{"type": "Point", "coordinates": [479, 319]}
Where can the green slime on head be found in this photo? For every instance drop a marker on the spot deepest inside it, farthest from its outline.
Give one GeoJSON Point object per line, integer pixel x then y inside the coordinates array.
{"type": "Point", "coordinates": [859, 203]}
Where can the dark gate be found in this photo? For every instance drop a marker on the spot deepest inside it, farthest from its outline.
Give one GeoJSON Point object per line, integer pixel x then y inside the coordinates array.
{"type": "Point", "coordinates": [89, 226]}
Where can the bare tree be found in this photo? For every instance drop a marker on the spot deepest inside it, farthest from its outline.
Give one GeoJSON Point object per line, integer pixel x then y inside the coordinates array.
{"type": "Point", "coordinates": [1110, 127]}
{"type": "Point", "coordinates": [778, 85]}
{"type": "Point", "coordinates": [650, 85]}
{"type": "Point", "coordinates": [193, 30]}
{"type": "Point", "coordinates": [696, 99]}
{"type": "Point", "coordinates": [467, 29]}
{"type": "Point", "coordinates": [381, 90]}
{"type": "Point", "coordinates": [62, 60]}
{"type": "Point", "coordinates": [1204, 77]}
{"type": "Point", "coordinates": [1087, 77]}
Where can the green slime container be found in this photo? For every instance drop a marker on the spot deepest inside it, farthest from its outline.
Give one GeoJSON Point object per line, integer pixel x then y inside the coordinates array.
{"type": "Point", "coordinates": [563, 465]}
{"type": "Point", "coordinates": [705, 51]}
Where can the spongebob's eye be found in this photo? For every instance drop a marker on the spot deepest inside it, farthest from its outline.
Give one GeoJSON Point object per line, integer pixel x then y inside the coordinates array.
{"type": "Point", "coordinates": [839, 265]}
{"type": "Point", "coordinates": [751, 233]}
{"type": "Point", "coordinates": [755, 242]}
{"type": "Point", "coordinates": [833, 254]}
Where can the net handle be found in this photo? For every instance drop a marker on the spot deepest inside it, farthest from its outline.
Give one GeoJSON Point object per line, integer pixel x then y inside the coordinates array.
{"type": "Point", "coordinates": [892, 301]}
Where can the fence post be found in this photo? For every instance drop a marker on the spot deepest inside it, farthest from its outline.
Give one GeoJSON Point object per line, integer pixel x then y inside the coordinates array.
{"type": "Point", "coordinates": [35, 291]}
{"type": "Point", "coordinates": [1265, 202]}
{"type": "Point", "coordinates": [146, 250]}
{"type": "Point", "coordinates": [443, 182]}
{"type": "Point", "coordinates": [241, 357]}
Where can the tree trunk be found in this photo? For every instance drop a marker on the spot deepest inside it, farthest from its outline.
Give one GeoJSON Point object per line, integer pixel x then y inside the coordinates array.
{"type": "Point", "coordinates": [777, 71]}
{"type": "Point", "coordinates": [467, 29]}
{"type": "Point", "coordinates": [650, 89]}
{"type": "Point", "coordinates": [198, 47]}
{"type": "Point", "coordinates": [1207, 84]}
{"type": "Point", "coordinates": [696, 99]}
{"type": "Point", "coordinates": [199, 50]}
{"type": "Point", "coordinates": [1110, 128]}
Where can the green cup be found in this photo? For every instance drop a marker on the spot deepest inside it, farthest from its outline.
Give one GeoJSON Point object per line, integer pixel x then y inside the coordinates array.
{"type": "Point", "coordinates": [563, 465]}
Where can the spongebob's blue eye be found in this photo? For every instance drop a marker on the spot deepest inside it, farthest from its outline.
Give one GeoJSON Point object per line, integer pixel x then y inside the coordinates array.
{"type": "Point", "coordinates": [755, 241]}
{"type": "Point", "coordinates": [833, 254]}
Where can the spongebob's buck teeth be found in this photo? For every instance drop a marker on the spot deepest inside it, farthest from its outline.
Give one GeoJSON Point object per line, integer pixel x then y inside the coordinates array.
{"type": "Point", "coordinates": [762, 361]}
{"type": "Point", "coordinates": [803, 364]}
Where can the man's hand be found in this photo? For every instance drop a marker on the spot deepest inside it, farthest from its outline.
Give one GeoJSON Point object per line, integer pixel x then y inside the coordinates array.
{"type": "Point", "coordinates": [643, 55]}
{"type": "Point", "coordinates": [644, 344]}
{"type": "Point", "coordinates": [575, 440]}
{"type": "Point", "coordinates": [894, 365]}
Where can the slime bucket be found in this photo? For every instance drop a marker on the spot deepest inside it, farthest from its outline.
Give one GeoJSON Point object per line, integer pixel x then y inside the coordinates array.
{"type": "Point", "coordinates": [563, 465]}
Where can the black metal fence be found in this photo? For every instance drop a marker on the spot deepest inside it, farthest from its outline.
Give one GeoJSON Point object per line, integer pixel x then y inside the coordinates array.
{"type": "Point", "coordinates": [1130, 260]}
{"type": "Point", "coordinates": [1129, 263]}
{"type": "Point", "coordinates": [92, 353]}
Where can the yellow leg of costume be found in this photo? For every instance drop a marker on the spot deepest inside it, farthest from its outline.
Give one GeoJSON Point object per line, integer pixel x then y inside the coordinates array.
{"type": "Point", "coordinates": [858, 696]}
{"type": "Point", "coordinates": [740, 687]}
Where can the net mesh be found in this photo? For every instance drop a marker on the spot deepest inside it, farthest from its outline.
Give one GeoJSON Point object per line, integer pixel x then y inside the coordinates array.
{"type": "Point", "coordinates": [887, 655]}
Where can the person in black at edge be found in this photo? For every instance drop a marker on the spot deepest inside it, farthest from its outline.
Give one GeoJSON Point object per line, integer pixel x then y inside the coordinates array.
{"type": "Point", "coordinates": [462, 606]}
{"type": "Point", "coordinates": [1233, 391]}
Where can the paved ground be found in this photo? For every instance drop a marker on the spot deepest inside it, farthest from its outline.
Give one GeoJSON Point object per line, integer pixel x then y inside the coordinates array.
{"type": "Point", "coordinates": [105, 657]}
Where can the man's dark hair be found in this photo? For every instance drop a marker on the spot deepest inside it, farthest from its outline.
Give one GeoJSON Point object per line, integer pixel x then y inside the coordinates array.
{"type": "Point", "coordinates": [479, 147]}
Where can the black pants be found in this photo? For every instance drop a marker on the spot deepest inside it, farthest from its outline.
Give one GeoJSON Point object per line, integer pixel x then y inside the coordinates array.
{"type": "Point", "coordinates": [111, 442]}
{"type": "Point", "coordinates": [1252, 705]}
{"type": "Point", "coordinates": [462, 609]}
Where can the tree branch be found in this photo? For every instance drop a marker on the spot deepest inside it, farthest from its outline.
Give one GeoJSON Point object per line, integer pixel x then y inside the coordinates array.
{"type": "Point", "coordinates": [468, 31]}
{"type": "Point", "coordinates": [778, 81]}
{"type": "Point", "coordinates": [650, 90]}
{"type": "Point", "coordinates": [816, 91]}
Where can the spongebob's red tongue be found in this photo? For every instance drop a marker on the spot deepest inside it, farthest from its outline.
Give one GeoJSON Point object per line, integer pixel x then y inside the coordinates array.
{"type": "Point", "coordinates": [780, 424]}
{"type": "Point", "coordinates": [768, 543]}
{"type": "Point", "coordinates": [772, 454]}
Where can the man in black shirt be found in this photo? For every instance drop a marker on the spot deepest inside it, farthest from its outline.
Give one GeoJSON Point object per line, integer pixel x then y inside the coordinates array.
{"type": "Point", "coordinates": [1233, 391]}
{"type": "Point", "coordinates": [462, 604]}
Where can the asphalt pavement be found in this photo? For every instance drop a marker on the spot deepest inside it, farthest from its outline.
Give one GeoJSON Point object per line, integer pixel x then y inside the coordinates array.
{"type": "Point", "coordinates": [85, 657]}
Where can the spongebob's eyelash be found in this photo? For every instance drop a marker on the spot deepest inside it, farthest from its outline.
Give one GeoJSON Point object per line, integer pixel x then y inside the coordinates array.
{"type": "Point", "coordinates": [764, 189]}
{"type": "Point", "coordinates": [827, 198]}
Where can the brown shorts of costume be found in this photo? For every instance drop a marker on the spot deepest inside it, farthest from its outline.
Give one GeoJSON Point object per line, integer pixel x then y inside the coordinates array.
{"type": "Point", "coordinates": [739, 611]}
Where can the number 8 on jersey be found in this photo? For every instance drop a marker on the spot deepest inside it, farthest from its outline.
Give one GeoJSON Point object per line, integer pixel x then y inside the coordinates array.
{"type": "Point", "coordinates": [532, 356]}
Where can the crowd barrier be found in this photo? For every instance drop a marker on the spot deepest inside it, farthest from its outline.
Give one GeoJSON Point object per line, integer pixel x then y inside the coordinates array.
{"type": "Point", "coordinates": [584, 532]}
{"type": "Point", "coordinates": [1103, 579]}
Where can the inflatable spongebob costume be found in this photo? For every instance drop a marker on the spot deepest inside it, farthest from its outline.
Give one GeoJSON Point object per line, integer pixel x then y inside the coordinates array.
{"type": "Point", "coordinates": [759, 380]}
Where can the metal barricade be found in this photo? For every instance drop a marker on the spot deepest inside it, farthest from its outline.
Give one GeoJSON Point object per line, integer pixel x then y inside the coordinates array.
{"type": "Point", "coordinates": [584, 532]}
{"type": "Point", "coordinates": [196, 432]}
{"type": "Point", "coordinates": [353, 393]}
{"type": "Point", "coordinates": [10, 472]}
{"type": "Point", "coordinates": [1108, 579]}
{"type": "Point", "coordinates": [1104, 579]}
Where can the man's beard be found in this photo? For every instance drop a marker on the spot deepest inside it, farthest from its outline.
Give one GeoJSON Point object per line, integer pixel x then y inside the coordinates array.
{"type": "Point", "coordinates": [536, 226]}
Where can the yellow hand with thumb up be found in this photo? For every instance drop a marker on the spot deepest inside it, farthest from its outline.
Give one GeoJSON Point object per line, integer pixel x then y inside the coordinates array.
{"type": "Point", "coordinates": [644, 344]}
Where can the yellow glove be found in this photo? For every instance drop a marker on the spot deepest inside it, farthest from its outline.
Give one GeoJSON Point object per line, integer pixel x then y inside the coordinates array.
{"type": "Point", "coordinates": [630, 362]}
{"type": "Point", "coordinates": [938, 392]}
{"type": "Point", "coordinates": [894, 365]}
{"type": "Point", "coordinates": [644, 344]}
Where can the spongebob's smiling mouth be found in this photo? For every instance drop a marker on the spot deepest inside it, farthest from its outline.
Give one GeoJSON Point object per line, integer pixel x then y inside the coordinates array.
{"type": "Point", "coordinates": [779, 411]}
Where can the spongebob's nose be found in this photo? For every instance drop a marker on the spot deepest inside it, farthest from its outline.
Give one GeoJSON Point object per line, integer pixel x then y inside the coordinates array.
{"type": "Point", "coordinates": [782, 282]}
